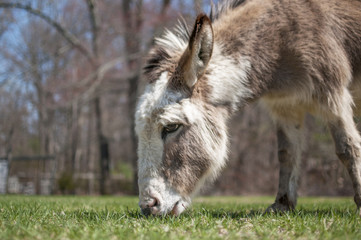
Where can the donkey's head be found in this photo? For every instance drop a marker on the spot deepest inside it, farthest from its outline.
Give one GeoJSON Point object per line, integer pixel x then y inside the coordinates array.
{"type": "Point", "coordinates": [182, 137]}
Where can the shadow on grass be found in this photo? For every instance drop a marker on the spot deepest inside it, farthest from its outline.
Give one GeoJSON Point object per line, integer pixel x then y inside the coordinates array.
{"type": "Point", "coordinates": [105, 215]}
{"type": "Point", "coordinates": [258, 213]}
{"type": "Point", "coordinates": [249, 213]}
{"type": "Point", "coordinates": [136, 214]}
{"type": "Point", "coordinates": [332, 212]}
{"type": "Point", "coordinates": [212, 214]}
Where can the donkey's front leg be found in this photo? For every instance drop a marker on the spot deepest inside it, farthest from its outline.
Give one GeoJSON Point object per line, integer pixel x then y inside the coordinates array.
{"type": "Point", "coordinates": [290, 142]}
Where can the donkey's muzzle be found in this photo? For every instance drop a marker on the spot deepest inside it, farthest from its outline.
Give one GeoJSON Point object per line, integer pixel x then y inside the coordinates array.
{"type": "Point", "coordinates": [149, 207]}
{"type": "Point", "coordinates": [146, 211]}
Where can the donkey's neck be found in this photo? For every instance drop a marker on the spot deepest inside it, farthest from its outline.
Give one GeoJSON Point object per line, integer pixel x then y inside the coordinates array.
{"type": "Point", "coordinates": [246, 51]}
{"type": "Point", "coordinates": [228, 78]}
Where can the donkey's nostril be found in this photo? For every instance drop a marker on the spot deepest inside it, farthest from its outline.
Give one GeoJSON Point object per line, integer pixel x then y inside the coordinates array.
{"type": "Point", "coordinates": [149, 207]}
{"type": "Point", "coordinates": [153, 203]}
{"type": "Point", "coordinates": [146, 211]}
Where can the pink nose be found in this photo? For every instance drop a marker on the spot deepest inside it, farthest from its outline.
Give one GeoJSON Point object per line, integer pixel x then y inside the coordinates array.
{"type": "Point", "coordinates": [148, 207]}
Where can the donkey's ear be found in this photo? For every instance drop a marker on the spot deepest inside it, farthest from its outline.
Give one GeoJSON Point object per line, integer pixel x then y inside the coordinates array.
{"type": "Point", "coordinates": [196, 57]}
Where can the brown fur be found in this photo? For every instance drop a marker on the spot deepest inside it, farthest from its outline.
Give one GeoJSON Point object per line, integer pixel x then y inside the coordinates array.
{"type": "Point", "coordinates": [184, 162]}
{"type": "Point", "coordinates": [297, 56]}
{"type": "Point", "coordinates": [315, 40]}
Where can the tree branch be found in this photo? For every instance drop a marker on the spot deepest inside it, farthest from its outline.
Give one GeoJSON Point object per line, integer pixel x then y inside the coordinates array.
{"type": "Point", "coordinates": [69, 37]}
{"type": "Point", "coordinates": [98, 76]}
{"type": "Point", "coordinates": [94, 26]}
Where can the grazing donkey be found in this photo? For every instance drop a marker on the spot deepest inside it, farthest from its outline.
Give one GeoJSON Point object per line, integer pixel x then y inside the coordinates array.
{"type": "Point", "coordinates": [296, 56]}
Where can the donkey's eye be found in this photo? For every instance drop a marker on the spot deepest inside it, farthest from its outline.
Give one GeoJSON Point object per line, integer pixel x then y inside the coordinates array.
{"type": "Point", "coordinates": [169, 129]}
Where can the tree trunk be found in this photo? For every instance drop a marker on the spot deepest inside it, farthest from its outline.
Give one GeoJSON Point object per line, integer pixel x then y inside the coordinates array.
{"type": "Point", "coordinates": [8, 155]}
{"type": "Point", "coordinates": [103, 148]}
{"type": "Point", "coordinates": [159, 28]}
{"type": "Point", "coordinates": [132, 98]}
{"type": "Point", "coordinates": [198, 6]}
{"type": "Point", "coordinates": [103, 143]}
{"type": "Point", "coordinates": [132, 43]}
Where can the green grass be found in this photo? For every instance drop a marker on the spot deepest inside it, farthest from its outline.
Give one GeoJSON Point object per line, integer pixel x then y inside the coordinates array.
{"type": "Point", "coordinates": [210, 218]}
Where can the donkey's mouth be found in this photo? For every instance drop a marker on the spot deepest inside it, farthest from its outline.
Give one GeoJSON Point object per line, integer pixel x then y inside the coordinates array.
{"type": "Point", "coordinates": [178, 208]}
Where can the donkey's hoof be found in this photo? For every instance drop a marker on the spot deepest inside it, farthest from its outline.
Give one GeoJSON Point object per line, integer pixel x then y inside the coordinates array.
{"type": "Point", "coordinates": [278, 208]}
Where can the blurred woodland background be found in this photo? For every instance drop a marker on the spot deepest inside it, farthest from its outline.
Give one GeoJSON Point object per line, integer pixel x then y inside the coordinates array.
{"type": "Point", "coordinates": [69, 80]}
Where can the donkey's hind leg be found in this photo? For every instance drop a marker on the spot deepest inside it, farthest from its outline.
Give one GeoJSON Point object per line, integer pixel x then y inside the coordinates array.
{"type": "Point", "coordinates": [290, 146]}
{"type": "Point", "coordinates": [348, 143]}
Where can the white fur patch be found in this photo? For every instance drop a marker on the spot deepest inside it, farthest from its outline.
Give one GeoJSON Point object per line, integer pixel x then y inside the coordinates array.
{"type": "Point", "coordinates": [166, 196]}
{"type": "Point", "coordinates": [171, 41]}
{"type": "Point", "coordinates": [150, 146]}
{"type": "Point", "coordinates": [228, 78]}
{"type": "Point", "coordinates": [155, 96]}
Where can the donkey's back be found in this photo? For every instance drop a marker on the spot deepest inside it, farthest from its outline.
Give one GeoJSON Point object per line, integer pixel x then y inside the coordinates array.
{"type": "Point", "coordinates": [311, 51]}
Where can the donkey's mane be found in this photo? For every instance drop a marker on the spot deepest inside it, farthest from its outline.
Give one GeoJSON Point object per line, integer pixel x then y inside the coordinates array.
{"type": "Point", "coordinates": [170, 44]}
{"type": "Point", "coordinates": [223, 6]}
{"type": "Point", "coordinates": [173, 43]}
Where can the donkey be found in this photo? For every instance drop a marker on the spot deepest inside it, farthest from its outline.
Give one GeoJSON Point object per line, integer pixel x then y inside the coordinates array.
{"type": "Point", "coordinates": [296, 56]}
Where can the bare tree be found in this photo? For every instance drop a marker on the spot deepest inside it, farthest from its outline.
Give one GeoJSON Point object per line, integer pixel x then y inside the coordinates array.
{"type": "Point", "coordinates": [102, 140]}
{"type": "Point", "coordinates": [93, 58]}
{"type": "Point", "coordinates": [132, 23]}
{"type": "Point", "coordinates": [198, 6]}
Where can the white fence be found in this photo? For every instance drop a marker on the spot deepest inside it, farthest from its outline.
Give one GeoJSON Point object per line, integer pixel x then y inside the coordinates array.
{"type": "Point", "coordinates": [3, 175]}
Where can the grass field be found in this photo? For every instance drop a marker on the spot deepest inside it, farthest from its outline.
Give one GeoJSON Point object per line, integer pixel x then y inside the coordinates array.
{"type": "Point", "coordinates": [210, 218]}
